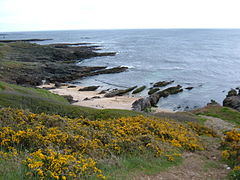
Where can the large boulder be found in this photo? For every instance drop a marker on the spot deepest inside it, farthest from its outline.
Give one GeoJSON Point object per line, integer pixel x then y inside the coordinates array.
{"type": "Point", "coordinates": [232, 100]}
{"type": "Point", "coordinates": [141, 104]}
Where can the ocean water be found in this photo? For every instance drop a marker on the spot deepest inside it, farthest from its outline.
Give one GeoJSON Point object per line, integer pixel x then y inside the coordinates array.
{"type": "Point", "coordinates": [206, 59]}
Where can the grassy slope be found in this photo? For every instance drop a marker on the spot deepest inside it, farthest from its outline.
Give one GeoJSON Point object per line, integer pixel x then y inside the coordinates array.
{"type": "Point", "coordinates": [221, 112]}
{"type": "Point", "coordinates": [40, 100]}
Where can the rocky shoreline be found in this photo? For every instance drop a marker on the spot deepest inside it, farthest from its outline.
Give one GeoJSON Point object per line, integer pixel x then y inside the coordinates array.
{"type": "Point", "coordinates": [30, 64]}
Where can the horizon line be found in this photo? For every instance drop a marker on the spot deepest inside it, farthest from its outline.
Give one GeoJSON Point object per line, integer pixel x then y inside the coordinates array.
{"type": "Point", "coordinates": [109, 29]}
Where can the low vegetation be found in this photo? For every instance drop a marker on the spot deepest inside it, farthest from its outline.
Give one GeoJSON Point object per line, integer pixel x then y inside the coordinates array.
{"type": "Point", "coordinates": [231, 152]}
{"type": "Point", "coordinates": [51, 146]}
{"type": "Point", "coordinates": [224, 113]}
{"type": "Point", "coordinates": [39, 100]}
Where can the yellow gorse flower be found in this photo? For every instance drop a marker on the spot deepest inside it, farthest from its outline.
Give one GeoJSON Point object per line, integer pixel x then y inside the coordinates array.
{"type": "Point", "coordinates": [60, 147]}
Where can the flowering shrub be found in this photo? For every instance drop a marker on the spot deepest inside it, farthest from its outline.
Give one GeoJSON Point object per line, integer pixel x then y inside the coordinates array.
{"type": "Point", "coordinates": [59, 147]}
{"type": "Point", "coordinates": [231, 152]}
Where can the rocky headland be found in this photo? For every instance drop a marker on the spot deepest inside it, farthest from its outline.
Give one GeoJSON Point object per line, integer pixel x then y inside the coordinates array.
{"type": "Point", "coordinates": [31, 64]}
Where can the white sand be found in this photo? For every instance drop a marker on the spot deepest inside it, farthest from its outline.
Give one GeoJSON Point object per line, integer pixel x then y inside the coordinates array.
{"type": "Point", "coordinates": [117, 102]}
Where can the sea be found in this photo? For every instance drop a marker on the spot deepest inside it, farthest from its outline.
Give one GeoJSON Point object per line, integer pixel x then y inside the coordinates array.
{"type": "Point", "coordinates": [206, 59]}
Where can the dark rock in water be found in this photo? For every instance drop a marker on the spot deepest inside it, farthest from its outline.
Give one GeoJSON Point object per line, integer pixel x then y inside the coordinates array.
{"type": "Point", "coordinates": [57, 84]}
{"type": "Point", "coordinates": [213, 103]}
{"type": "Point", "coordinates": [138, 90]}
{"type": "Point", "coordinates": [189, 88]}
{"type": "Point", "coordinates": [174, 89]}
{"type": "Point", "coordinates": [28, 80]}
{"type": "Point", "coordinates": [104, 71]}
{"type": "Point", "coordinates": [153, 90]}
{"type": "Point", "coordinates": [119, 92]}
{"type": "Point", "coordinates": [162, 83]}
{"type": "Point", "coordinates": [232, 92]}
{"type": "Point", "coordinates": [70, 99]}
{"type": "Point", "coordinates": [89, 88]}
{"type": "Point", "coordinates": [153, 99]}
{"type": "Point", "coordinates": [71, 86]}
{"type": "Point", "coordinates": [23, 40]}
{"type": "Point", "coordinates": [141, 104]}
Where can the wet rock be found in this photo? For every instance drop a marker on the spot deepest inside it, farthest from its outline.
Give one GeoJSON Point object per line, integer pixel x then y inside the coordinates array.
{"type": "Point", "coordinates": [153, 90]}
{"type": "Point", "coordinates": [104, 71]}
{"type": "Point", "coordinates": [213, 103]}
{"type": "Point", "coordinates": [162, 83]}
{"type": "Point", "coordinates": [119, 92]}
{"type": "Point", "coordinates": [138, 90]}
{"type": "Point", "coordinates": [174, 89]}
{"type": "Point", "coordinates": [232, 92]}
{"type": "Point", "coordinates": [152, 100]}
{"type": "Point", "coordinates": [89, 88]}
{"type": "Point", "coordinates": [189, 88]}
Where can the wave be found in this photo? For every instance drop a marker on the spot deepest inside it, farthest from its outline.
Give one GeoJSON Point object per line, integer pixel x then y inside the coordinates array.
{"type": "Point", "coordinates": [128, 66]}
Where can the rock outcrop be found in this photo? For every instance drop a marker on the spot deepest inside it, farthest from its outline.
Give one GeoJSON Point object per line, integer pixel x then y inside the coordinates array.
{"type": "Point", "coordinates": [53, 63]}
{"type": "Point", "coordinates": [152, 100]}
{"type": "Point", "coordinates": [141, 104]}
{"type": "Point", "coordinates": [162, 83]}
{"type": "Point", "coordinates": [119, 92]}
{"type": "Point", "coordinates": [232, 100]}
{"type": "Point", "coordinates": [138, 90]}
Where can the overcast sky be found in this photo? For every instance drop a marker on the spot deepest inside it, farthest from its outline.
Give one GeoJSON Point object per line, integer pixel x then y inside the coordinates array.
{"type": "Point", "coordinates": [27, 15]}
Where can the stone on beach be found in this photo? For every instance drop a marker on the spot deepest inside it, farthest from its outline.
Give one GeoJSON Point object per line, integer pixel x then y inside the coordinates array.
{"type": "Point", "coordinates": [89, 88]}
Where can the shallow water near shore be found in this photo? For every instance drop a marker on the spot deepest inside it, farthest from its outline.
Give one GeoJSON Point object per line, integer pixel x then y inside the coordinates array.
{"type": "Point", "coordinates": [206, 59]}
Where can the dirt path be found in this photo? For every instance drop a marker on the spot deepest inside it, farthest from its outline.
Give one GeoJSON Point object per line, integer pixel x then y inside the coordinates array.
{"type": "Point", "coordinates": [204, 165]}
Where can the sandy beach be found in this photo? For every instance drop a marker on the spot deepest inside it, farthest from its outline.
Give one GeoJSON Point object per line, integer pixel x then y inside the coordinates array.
{"type": "Point", "coordinates": [95, 100]}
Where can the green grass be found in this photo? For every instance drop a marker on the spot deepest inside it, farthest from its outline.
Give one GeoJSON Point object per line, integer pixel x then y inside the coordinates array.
{"type": "Point", "coordinates": [11, 170]}
{"type": "Point", "coordinates": [129, 166]}
{"type": "Point", "coordinates": [224, 113]}
{"type": "Point", "coordinates": [35, 92]}
{"type": "Point", "coordinates": [122, 168]}
{"type": "Point", "coordinates": [40, 100]}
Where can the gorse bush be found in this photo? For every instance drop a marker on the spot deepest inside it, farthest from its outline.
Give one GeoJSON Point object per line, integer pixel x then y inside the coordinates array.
{"type": "Point", "coordinates": [231, 152]}
{"type": "Point", "coordinates": [51, 146]}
